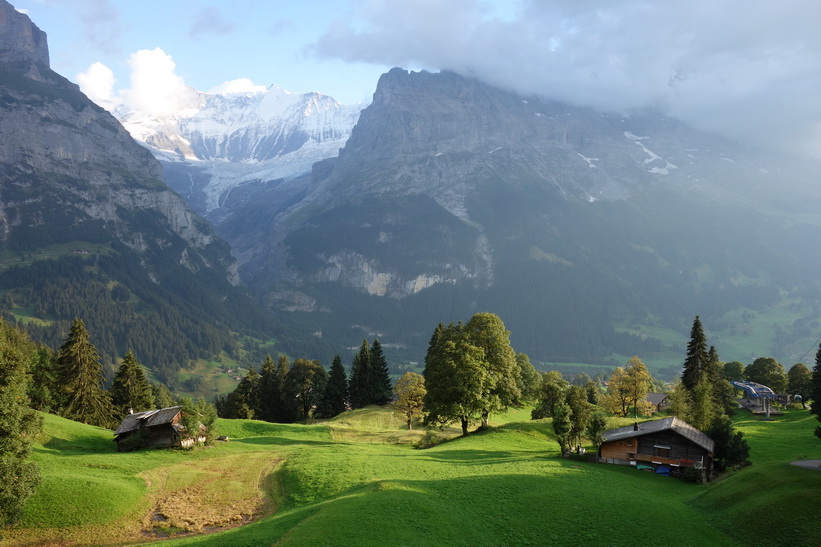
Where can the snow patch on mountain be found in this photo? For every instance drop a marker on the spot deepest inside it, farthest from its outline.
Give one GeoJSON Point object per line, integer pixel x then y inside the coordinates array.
{"type": "Point", "coordinates": [239, 137]}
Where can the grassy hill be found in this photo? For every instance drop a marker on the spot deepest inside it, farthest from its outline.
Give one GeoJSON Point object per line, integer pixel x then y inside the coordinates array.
{"type": "Point", "coordinates": [357, 480]}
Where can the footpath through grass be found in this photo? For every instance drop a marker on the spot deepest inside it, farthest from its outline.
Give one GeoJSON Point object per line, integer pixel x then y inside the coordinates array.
{"type": "Point", "coordinates": [357, 480]}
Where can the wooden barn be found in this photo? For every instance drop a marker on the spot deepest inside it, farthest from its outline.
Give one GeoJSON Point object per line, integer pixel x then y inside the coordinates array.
{"type": "Point", "coordinates": [660, 401]}
{"type": "Point", "coordinates": [668, 442]}
{"type": "Point", "coordinates": [160, 429]}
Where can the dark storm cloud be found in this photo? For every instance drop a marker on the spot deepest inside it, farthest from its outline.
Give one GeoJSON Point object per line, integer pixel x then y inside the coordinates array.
{"type": "Point", "coordinates": [749, 69]}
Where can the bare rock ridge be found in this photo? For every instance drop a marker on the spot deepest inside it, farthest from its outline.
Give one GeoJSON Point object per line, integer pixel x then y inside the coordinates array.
{"type": "Point", "coordinates": [20, 39]}
{"type": "Point", "coordinates": [60, 151]}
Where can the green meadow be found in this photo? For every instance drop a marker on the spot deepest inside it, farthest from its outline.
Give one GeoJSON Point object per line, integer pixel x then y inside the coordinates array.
{"type": "Point", "coordinates": [359, 480]}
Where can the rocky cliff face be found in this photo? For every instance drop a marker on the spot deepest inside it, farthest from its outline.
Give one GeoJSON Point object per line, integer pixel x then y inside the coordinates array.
{"type": "Point", "coordinates": [61, 156]}
{"type": "Point", "coordinates": [20, 39]}
{"type": "Point", "coordinates": [452, 196]}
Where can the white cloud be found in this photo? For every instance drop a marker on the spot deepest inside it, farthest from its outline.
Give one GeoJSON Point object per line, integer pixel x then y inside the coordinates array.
{"type": "Point", "coordinates": [155, 87]}
{"type": "Point", "coordinates": [242, 85]}
{"type": "Point", "coordinates": [747, 68]}
{"type": "Point", "coordinates": [98, 83]}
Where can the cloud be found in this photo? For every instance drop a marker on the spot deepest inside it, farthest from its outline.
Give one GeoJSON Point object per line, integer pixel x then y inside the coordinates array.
{"type": "Point", "coordinates": [210, 21]}
{"type": "Point", "coordinates": [242, 85]}
{"type": "Point", "coordinates": [280, 27]}
{"type": "Point", "coordinates": [155, 87]}
{"type": "Point", "coordinates": [98, 83]}
{"type": "Point", "coordinates": [748, 69]}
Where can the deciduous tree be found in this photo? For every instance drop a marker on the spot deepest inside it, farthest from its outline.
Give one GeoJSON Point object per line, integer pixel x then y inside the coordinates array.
{"type": "Point", "coordinates": [305, 384]}
{"type": "Point", "coordinates": [410, 396]}
{"type": "Point", "coordinates": [529, 378]}
{"type": "Point", "coordinates": [595, 427]}
{"type": "Point", "coordinates": [562, 426]}
{"type": "Point", "coordinates": [769, 372]}
{"type": "Point", "coordinates": [815, 391]}
{"type": "Point", "coordinates": [799, 382]}
{"type": "Point", "coordinates": [551, 393]}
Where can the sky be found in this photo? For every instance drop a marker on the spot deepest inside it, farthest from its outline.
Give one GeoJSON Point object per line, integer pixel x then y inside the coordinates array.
{"type": "Point", "coordinates": [748, 69]}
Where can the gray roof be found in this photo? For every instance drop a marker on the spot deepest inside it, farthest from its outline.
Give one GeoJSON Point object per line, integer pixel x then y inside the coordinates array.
{"type": "Point", "coordinates": [656, 426]}
{"type": "Point", "coordinates": [656, 398]}
{"type": "Point", "coordinates": [148, 418]}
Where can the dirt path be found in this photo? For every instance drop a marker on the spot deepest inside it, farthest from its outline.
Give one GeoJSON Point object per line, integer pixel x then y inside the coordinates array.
{"type": "Point", "coordinates": [809, 464]}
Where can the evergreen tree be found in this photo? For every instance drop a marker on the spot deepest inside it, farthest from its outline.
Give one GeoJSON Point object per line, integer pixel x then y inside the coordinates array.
{"type": "Point", "coordinates": [359, 387]}
{"type": "Point", "coordinates": [81, 375]}
{"type": "Point", "coordinates": [697, 360]}
{"type": "Point", "coordinates": [44, 391]}
{"type": "Point", "coordinates": [161, 397]}
{"type": "Point", "coordinates": [18, 423]}
{"type": "Point", "coordinates": [731, 449]}
{"type": "Point", "coordinates": [815, 391]}
{"type": "Point", "coordinates": [130, 389]}
{"type": "Point", "coordinates": [269, 390]}
{"type": "Point", "coordinates": [285, 409]}
{"type": "Point", "coordinates": [243, 402]}
{"type": "Point", "coordinates": [723, 392]}
{"type": "Point", "coordinates": [335, 398]}
{"type": "Point", "coordinates": [380, 378]}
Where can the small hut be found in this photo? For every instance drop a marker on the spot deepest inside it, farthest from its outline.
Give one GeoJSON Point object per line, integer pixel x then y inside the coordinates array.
{"type": "Point", "coordinates": [158, 428]}
{"type": "Point", "coordinates": [668, 442]}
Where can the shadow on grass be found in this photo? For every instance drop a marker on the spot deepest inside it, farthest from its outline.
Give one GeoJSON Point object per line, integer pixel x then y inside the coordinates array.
{"type": "Point", "coordinates": [84, 445]}
{"type": "Point", "coordinates": [281, 441]}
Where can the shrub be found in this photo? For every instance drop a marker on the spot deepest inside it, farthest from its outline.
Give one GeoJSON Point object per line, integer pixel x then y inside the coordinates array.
{"type": "Point", "coordinates": [428, 440]}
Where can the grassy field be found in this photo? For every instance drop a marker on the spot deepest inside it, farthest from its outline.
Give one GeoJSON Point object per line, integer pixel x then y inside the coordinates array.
{"type": "Point", "coordinates": [358, 480]}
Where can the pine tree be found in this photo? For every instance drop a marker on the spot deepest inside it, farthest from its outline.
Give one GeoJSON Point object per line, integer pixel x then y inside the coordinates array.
{"type": "Point", "coordinates": [130, 389]}
{"type": "Point", "coordinates": [81, 375]}
{"type": "Point", "coordinates": [269, 390]}
{"type": "Point", "coordinates": [359, 387]}
{"type": "Point", "coordinates": [18, 423]}
{"type": "Point", "coordinates": [697, 360]}
{"type": "Point", "coordinates": [815, 391]}
{"type": "Point", "coordinates": [380, 378]}
{"type": "Point", "coordinates": [335, 398]}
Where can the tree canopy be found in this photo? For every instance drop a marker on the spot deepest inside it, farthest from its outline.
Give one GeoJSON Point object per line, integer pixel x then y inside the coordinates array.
{"type": "Point", "coordinates": [410, 396]}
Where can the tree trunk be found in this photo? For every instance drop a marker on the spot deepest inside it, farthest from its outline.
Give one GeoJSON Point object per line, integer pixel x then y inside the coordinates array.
{"type": "Point", "coordinates": [464, 426]}
{"type": "Point", "coordinates": [485, 417]}
{"type": "Point", "coordinates": [410, 427]}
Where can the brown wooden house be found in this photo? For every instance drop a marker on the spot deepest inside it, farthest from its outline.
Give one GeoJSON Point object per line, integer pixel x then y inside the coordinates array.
{"type": "Point", "coordinates": [669, 442]}
{"type": "Point", "coordinates": [161, 428]}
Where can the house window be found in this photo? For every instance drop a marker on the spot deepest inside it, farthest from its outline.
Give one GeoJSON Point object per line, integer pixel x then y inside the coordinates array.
{"type": "Point", "coordinates": [661, 450]}
{"type": "Point", "coordinates": [629, 442]}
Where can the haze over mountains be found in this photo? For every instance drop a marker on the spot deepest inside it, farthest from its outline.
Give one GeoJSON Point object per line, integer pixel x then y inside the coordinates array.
{"type": "Point", "coordinates": [592, 234]}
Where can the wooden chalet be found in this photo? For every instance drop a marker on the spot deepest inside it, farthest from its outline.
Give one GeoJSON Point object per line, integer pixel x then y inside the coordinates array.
{"type": "Point", "coordinates": [162, 429]}
{"type": "Point", "coordinates": [668, 442]}
{"type": "Point", "coordinates": [660, 401]}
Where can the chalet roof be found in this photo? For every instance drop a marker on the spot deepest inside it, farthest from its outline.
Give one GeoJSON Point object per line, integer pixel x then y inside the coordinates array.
{"type": "Point", "coordinates": [656, 426]}
{"type": "Point", "coordinates": [656, 398]}
{"type": "Point", "coordinates": [148, 418]}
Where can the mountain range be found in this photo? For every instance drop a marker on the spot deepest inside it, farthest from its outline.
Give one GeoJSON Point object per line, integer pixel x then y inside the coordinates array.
{"type": "Point", "coordinates": [588, 232]}
{"type": "Point", "coordinates": [594, 235]}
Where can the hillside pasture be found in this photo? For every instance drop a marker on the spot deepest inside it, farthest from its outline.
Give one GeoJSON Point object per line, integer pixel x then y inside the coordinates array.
{"type": "Point", "coordinates": [358, 480]}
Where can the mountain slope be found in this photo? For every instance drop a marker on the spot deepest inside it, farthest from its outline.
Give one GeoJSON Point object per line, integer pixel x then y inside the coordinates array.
{"type": "Point", "coordinates": [215, 142]}
{"type": "Point", "coordinates": [453, 197]}
{"type": "Point", "coordinates": [90, 229]}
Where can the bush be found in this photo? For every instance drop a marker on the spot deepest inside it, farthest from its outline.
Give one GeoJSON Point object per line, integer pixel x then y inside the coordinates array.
{"type": "Point", "coordinates": [428, 440]}
{"type": "Point", "coordinates": [135, 441]}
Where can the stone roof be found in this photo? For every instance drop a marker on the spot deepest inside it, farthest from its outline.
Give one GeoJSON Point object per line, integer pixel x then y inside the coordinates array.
{"type": "Point", "coordinates": [148, 418]}
{"type": "Point", "coordinates": [656, 426]}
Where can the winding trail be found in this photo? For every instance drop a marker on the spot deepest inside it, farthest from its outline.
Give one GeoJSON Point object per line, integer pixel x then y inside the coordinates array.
{"type": "Point", "coordinates": [809, 464]}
